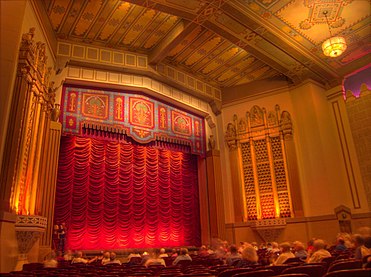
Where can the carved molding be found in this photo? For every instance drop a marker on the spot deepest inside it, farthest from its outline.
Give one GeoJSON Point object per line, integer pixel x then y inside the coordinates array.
{"type": "Point", "coordinates": [258, 122]}
{"type": "Point", "coordinates": [28, 230]}
{"type": "Point", "coordinates": [269, 229]}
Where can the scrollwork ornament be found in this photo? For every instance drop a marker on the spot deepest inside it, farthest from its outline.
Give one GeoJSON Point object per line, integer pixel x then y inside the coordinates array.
{"type": "Point", "coordinates": [26, 240]}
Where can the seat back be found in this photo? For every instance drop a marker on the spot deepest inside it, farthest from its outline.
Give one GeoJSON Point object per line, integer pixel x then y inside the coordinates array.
{"type": "Point", "coordinates": [350, 273]}
{"type": "Point", "coordinates": [355, 264]}
{"type": "Point", "coordinates": [232, 272]}
{"type": "Point", "coordinates": [257, 273]}
{"type": "Point", "coordinates": [293, 260]}
{"type": "Point", "coordinates": [311, 270]}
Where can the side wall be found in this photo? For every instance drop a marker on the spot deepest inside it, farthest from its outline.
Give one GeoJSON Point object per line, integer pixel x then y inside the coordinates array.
{"type": "Point", "coordinates": [322, 165]}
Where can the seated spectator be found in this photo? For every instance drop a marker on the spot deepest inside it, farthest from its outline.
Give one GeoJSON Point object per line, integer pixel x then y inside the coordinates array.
{"type": "Point", "coordinates": [106, 258]}
{"type": "Point", "coordinates": [233, 255]}
{"type": "Point", "coordinates": [112, 259]}
{"type": "Point", "coordinates": [79, 259]}
{"type": "Point", "coordinates": [299, 250]}
{"type": "Point", "coordinates": [249, 257]}
{"type": "Point", "coordinates": [134, 258]}
{"type": "Point", "coordinates": [163, 253]}
{"type": "Point", "coordinates": [310, 247]}
{"type": "Point", "coordinates": [340, 245]}
{"type": "Point", "coordinates": [183, 256]}
{"type": "Point", "coordinates": [68, 256]}
{"type": "Point", "coordinates": [59, 257]}
{"type": "Point", "coordinates": [319, 252]}
{"type": "Point", "coordinates": [203, 251]}
{"type": "Point", "coordinates": [50, 261]}
{"type": "Point", "coordinates": [220, 252]}
{"type": "Point", "coordinates": [155, 259]}
{"type": "Point", "coordinates": [145, 257]}
{"type": "Point", "coordinates": [174, 252]}
{"type": "Point", "coordinates": [285, 254]}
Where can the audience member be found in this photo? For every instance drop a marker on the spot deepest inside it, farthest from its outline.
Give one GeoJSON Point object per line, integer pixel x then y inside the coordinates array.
{"type": "Point", "coordinates": [112, 259]}
{"type": "Point", "coordinates": [183, 256]}
{"type": "Point", "coordinates": [319, 252]}
{"type": "Point", "coordinates": [249, 257]}
{"type": "Point", "coordinates": [106, 258]}
{"type": "Point", "coordinates": [163, 253]}
{"type": "Point", "coordinates": [155, 259]}
{"type": "Point", "coordinates": [203, 252]}
{"type": "Point", "coordinates": [233, 255]}
{"type": "Point", "coordinates": [285, 253]}
{"type": "Point", "coordinates": [68, 256]}
{"type": "Point", "coordinates": [50, 261]}
{"type": "Point", "coordinates": [299, 250]}
{"type": "Point", "coordinates": [79, 259]}
{"type": "Point", "coordinates": [340, 245]}
{"type": "Point", "coordinates": [174, 252]}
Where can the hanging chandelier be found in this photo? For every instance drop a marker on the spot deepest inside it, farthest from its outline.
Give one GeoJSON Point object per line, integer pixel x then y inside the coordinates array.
{"type": "Point", "coordinates": [334, 46]}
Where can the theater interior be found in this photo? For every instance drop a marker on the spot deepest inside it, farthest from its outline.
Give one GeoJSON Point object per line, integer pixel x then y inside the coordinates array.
{"type": "Point", "coordinates": [148, 124]}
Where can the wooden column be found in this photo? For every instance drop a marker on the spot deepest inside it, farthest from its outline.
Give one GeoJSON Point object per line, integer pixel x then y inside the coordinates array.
{"type": "Point", "coordinates": [29, 115]}
{"type": "Point", "coordinates": [293, 176]}
{"type": "Point", "coordinates": [235, 163]}
{"type": "Point", "coordinates": [47, 182]}
{"type": "Point", "coordinates": [204, 202]}
{"type": "Point", "coordinates": [215, 194]}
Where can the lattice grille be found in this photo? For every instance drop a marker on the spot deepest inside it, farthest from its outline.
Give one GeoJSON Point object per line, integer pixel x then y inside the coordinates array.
{"type": "Point", "coordinates": [276, 148]}
{"type": "Point", "coordinates": [261, 151]}
{"type": "Point", "coordinates": [266, 192]}
{"type": "Point", "coordinates": [264, 177]}
{"type": "Point", "coordinates": [267, 205]}
{"type": "Point", "coordinates": [249, 181]}
{"type": "Point", "coordinates": [284, 204]}
{"type": "Point", "coordinates": [280, 175]}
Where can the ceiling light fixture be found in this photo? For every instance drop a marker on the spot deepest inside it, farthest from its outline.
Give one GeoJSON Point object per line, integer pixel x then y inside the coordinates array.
{"type": "Point", "coordinates": [334, 46]}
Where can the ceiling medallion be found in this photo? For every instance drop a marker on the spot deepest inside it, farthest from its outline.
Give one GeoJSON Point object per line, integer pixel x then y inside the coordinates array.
{"type": "Point", "coordinates": [334, 46]}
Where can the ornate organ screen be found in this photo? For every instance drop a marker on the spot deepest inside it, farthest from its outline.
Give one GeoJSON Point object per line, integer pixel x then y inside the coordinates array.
{"type": "Point", "coordinates": [260, 138]}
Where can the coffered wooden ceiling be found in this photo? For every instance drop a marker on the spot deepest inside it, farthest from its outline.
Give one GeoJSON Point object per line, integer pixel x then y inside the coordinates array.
{"type": "Point", "coordinates": [224, 42]}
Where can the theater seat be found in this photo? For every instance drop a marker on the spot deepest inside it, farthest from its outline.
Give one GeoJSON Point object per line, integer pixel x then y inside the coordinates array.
{"type": "Point", "coordinates": [232, 272]}
{"type": "Point", "coordinates": [350, 273]}
{"type": "Point", "coordinates": [311, 270]}
{"type": "Point", "coordinates": [257, 273]}
{"type": "Point", "coordinates": [354, 264]}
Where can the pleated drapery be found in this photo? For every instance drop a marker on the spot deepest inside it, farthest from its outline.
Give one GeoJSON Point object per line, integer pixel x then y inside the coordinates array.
{"type": "Point", "coordinates": [114, 195]}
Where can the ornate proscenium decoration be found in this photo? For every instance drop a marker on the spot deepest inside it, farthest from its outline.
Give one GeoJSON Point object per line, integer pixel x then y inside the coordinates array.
{"type": "Point", "coordinates": [334, 46]}
{"type": "Point", "coordinates": [269, 229]}
{"type": "Point", "coordinates": [28, 229]}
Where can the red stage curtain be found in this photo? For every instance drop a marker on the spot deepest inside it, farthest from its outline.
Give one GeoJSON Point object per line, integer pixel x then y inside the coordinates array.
{"type": "Point", "coordinates": [115, 195]}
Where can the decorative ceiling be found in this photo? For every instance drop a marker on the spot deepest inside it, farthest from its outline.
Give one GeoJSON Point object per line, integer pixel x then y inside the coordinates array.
{"type": "Point", "coordinates": [224, 42]}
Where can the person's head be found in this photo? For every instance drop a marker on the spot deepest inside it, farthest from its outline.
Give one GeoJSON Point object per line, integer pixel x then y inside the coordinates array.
{"type": "Point", "coordinates": [274, 245]}
{"type": "Point", "coordinates": [249, 254]}
{"type": "Point", "coordinates": [183, 251]}
{"type": "Point", "coordinates": [106, 255]}
{"type": "Point", "coordinates": [358, 240]}
{"type": "Point", "coordinates": [319, 244]}
{"type": "Point", "coordinates": [162, 251]}
{"type": "Point", "coordinates": [285, 247]}
{"type": "Point", "coordinates": [79, 254]}
{"type": "Point", "coordinates": [233, 249]}
{"type": "Point", "coordinates": [203, 248]}
{"type": "Point", "coordinates": [112, 256]}
{"type": "Point", "coordinates": [298, 246]}
{"type": "Point", "coordinates": [368, 242]}
{"type": "Point", "coordinates": [340, 240]}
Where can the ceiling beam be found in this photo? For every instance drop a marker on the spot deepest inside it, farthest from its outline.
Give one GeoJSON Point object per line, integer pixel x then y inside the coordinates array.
{"type": "Point", "coordinates": [175, 37]}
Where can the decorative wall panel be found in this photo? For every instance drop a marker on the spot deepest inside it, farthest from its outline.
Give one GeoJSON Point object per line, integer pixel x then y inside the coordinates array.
{"type": "Point", "coordinates": [142, 118]}
{"type": "Point", "coordinates": [260, 137]}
